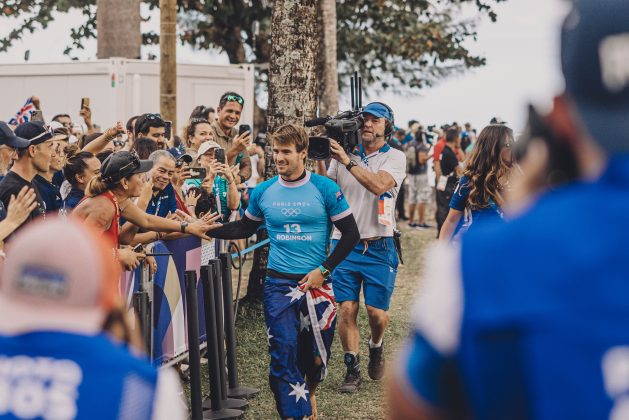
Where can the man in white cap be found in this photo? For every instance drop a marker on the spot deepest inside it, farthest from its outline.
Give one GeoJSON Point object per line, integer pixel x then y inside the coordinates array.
{"type": "Point", "coordinates": [55, 360]}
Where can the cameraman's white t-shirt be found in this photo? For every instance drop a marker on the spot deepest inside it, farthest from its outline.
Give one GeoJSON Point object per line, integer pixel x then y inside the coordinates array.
{"type": "Point", "coordinates": [362, 202]}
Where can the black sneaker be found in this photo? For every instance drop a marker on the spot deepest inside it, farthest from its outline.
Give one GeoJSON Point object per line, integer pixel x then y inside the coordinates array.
{"type": "Point", "coordinates": [376, 363]}
{"type": "Point", "coordinates": [351, 383]}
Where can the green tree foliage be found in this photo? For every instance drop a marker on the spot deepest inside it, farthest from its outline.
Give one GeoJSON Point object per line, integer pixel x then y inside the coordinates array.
{"type": "Point", "coordinates": [413, 43]}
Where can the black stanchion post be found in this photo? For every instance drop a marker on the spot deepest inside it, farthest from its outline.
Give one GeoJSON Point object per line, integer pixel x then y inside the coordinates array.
{"type": "Point", "coordinates": [215, 278]}
{"type": "Point", "coordinates": [235, 390]}
{"type": "Point", "coordinates": [194, 353]}
{"type": "Point", "coordinates": [215, 408]}
{"type": "Point", "coordinates": [141, 307]}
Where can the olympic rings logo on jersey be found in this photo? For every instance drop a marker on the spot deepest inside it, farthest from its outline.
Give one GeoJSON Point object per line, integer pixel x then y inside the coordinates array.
{"type": "Point", "coordinates": [291, 212]}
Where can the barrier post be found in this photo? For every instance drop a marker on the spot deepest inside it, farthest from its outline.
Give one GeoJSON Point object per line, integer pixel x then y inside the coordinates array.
{"type": "Point", "coordinates": [214, 406]}
{"type": "Point", "coordinates": [215, 278]}
{"type": "Point", "coordinates": [235, 390]}
{"type": "Point", "coordinates": [140, 305]}
{"type": "Point", "coordinates": [194, 353]}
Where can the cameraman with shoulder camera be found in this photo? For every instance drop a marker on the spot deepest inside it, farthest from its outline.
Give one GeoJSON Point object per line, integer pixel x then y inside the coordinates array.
{"type": "Point", "coordinates": [370, 177]}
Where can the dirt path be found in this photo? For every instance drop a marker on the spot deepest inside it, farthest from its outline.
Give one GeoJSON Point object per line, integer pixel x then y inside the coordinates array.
{"type": "Point", "coordinates": [369, 402]}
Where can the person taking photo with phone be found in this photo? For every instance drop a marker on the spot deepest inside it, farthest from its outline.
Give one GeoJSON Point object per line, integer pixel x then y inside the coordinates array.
{"type": "Point", "coordinates": [234, 142]}
{"type": "Point", "coordinates": [219, 182]}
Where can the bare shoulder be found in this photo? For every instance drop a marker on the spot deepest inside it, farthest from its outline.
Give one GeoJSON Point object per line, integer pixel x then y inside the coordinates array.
{"type": "Point", "coordinates": [95, 208]}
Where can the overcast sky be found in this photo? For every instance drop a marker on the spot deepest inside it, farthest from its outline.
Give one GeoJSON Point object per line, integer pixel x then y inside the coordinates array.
{"type": "Point", "coordinates": [522, 51]}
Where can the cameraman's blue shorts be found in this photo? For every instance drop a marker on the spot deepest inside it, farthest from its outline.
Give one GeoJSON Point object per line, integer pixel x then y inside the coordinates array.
{"type": "Point", "coordinates": [372, 265]}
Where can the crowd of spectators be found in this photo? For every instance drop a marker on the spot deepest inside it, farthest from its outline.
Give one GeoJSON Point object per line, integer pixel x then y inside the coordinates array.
{"type": "Point", "coordinates": [134, 183]}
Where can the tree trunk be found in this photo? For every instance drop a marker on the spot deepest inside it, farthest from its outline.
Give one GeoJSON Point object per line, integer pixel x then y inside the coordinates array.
{"type": "Point", "coordinates": [292, 74]}
{"type": "Point", "coordinates": [327, 71]}
{"type": "Point", "coordinates": [118, 25]}
{"type": "Point", "coordinates": [292, 88]}
{"type": "Point", "coordinates": [168, 62]}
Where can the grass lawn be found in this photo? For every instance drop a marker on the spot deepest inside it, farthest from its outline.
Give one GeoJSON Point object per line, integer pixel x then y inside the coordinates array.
{"type": "Point", "coordinates": [369, 402]}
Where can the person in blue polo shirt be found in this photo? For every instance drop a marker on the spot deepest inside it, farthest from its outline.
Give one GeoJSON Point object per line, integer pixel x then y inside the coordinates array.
{"type": "Point", "coordinates": [298, 209]}
{"type": "Point", "coordinates": [56, 359]}
{"type": "Point", "coordinates": [528, 319]}
{"type": "Point", "coordinates": [163, 202]}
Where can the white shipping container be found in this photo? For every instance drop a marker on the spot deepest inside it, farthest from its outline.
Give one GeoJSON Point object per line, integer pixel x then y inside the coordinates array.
{"type": "Point", "coordinates": [119, 88]}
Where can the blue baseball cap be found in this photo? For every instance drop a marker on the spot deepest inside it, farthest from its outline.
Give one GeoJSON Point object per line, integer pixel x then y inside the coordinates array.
{"type": "Point", "coordinates": [180, 155]}
{"type": "Point", "coordinates": [9, 139]}
{"type": "Point", "coordinates": [35, 132]}
{"type": "Point", "coordinates": [378, 110]}
{"type": "Point", "coordinates": [595, 64]}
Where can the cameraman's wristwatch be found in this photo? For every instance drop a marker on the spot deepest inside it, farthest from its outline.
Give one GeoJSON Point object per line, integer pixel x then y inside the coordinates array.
{"type": "Point", "coordinates": [350, 165]}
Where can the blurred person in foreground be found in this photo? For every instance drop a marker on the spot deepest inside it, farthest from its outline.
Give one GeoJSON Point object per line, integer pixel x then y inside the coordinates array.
{"type": "Point", "coordinates": [56, 359]}
{"type": "Point", "coordinates": [528, 319]}
{"type": "Point", "coordinates": [480, 193]}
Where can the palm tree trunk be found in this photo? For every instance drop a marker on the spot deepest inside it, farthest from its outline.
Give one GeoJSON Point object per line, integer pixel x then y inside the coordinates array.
{"type": "Point", "coordinates": [292, 89]}
{"type": "Point", "coordinates": [327, 71]}
{"type": "Point", "coordinates": [118, 25]}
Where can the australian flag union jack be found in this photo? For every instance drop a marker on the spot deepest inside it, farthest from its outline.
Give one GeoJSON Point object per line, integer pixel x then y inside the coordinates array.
{"type": "Point", "coordinates": [300, 329]}
{"type": "Point", "coordinates": [24, 114]}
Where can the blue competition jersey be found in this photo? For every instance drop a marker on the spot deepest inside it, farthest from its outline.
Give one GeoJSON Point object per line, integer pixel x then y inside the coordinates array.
{"type": "Point", "coordinates": [299, 218]}
{"type": "Point", "coordinates": [534, 322]}
{"type": "Point", "coordinates": [54, 375]}
{"type": "Point", "coordinates": [476, 217]}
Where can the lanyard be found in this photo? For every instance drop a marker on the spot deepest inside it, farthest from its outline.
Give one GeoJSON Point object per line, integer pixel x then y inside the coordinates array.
{"type": "Point", "coordinates": [360, 151]}
{"type": "Point", "coordinates": [160, 197]}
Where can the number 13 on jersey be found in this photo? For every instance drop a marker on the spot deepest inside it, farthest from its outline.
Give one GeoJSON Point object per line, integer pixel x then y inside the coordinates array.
{"type": "Point", "coordinates": [293, 228]}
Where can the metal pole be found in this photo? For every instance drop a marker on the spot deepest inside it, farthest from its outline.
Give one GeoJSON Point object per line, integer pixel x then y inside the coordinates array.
{"type": "Point", "coordinates": [235, 390]}
{"type": "Point", "coordinates": [193, 345]}
{"type": "Point", "coordinates": [140, 303]}
{"type": "Point", "coordinates": [239, 404]}
{"type": "Point", "coordinates": [215, 406]}
{"type": "Point", "coordinates": [212, 342]}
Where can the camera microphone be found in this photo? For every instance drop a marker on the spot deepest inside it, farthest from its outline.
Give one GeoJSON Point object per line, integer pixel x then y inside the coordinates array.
{"type": "Point", "coordinates": [316, 121]}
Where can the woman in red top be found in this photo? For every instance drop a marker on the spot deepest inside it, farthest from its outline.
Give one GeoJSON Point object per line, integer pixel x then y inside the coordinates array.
{"type": "Point", "coordinates": [108, 197]}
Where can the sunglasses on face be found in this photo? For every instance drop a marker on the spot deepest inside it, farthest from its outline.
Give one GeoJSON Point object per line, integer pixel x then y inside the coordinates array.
{"type": "Point", "coordinates": [235, 98]}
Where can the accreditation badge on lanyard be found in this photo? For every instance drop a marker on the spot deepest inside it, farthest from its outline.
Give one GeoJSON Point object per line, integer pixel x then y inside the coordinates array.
{"type": "Point", "coordinates": [385, 209]}
{"type": "Point", "coordinates": [386, 203]}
